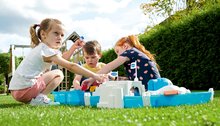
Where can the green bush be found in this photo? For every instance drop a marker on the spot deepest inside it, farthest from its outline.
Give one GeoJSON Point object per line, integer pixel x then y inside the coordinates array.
{"type": "Point", "coordinates": [108, 56]}
{"type": "Point", "coordinates": [187, 47]}
{"type": "Point", "coordinates": [2, 89]}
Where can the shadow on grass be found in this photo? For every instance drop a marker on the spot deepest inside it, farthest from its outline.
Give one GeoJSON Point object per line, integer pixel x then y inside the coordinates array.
{"type": "Point", "coordinates": [10, 105]}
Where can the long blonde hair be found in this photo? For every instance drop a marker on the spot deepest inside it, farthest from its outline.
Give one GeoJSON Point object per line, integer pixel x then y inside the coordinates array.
{"type": "Point", "coordinates": [45, 25]}
{"type": "Point", "coordinates": [133, 41]}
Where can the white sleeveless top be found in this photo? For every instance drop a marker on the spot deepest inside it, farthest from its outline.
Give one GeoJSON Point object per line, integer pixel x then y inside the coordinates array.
{"type": "Point", "coordinates": [32, 67]}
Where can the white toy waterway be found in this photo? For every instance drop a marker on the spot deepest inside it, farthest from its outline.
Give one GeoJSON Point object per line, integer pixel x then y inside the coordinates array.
{"type": "Point", "coordinates": [161, 91]}
{"type": "Point", "coordinates": [112, 93]}
{"type": "Point", "coordinates": [212, 93]}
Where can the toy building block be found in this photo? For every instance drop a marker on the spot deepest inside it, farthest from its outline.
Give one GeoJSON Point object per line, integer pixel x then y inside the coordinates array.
{"type": "Point", "coordinates": [84, 87]}
{"type": "Point", "coordinates": [92, 87]}
{"type": "Point", "coordinates": [171, 92]}
{"type": "Point", "coordinates": [155, 84]}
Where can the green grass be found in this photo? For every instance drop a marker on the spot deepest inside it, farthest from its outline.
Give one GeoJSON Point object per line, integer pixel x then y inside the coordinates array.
{"type": "Point", "coordinates": [17, 114]}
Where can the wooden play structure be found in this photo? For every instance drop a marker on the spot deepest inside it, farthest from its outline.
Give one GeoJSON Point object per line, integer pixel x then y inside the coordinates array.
{"type": "Point", "coordinates": [12, 66]}
{"type": "Point", "coordinates": [76, 58]}
{"type": "Point", "coordinates": [12, 59]}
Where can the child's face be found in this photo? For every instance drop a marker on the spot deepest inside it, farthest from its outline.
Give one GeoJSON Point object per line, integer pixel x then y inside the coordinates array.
{"type": "Point", "coordinates": [54, 37]}
{"type": "Point", "coordinates": [119, 50]}
{"type": "Point", "coordinates": [92, 60]}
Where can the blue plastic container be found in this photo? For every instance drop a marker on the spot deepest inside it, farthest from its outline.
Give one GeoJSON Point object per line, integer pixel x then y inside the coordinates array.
{"type": "Point", "coordinates": [94, 100]}
{"type": "Point", "coordinates": [60, 96]}
{"type": "Point", "coordinates": [133, 101]}
{"type": "Point", "coordinates": [75, 97]}
{"type": "Point", "coordinates": [180, 99]}
{"type": "Point", "coordinates": [155, 84]}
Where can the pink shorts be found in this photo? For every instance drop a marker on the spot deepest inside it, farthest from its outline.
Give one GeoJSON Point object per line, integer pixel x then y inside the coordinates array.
{"type": "Point", "coordinates": [25, 95]}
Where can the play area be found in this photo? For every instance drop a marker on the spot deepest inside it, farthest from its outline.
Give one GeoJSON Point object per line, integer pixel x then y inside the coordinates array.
{"type": "Point", "coordinates": [116, 94]}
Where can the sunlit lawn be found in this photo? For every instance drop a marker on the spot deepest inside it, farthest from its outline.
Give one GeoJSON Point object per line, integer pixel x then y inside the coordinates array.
{"type": "Point", "coordinates": [18, 114]}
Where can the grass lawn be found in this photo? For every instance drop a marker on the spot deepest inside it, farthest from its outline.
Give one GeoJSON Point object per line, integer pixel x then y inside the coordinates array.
{"type": "Point", "coordinates": [17, 114]}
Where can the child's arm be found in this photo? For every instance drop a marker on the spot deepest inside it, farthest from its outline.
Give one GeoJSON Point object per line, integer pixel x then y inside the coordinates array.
{"type": "Point", "coordinates": [78, 44]}
{"type": "Point", "coordinates": [114, 64]}
{"type": "Point", "coordinates": [75, 68]}
{"type": "Point", "coordinates": [76, 82]}
{"type": "Point", "coordinates": [107, 68]}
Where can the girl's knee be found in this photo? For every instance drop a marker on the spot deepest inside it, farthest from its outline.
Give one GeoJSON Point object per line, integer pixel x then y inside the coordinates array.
{"type": "Point", "coordinates": [59, 73]}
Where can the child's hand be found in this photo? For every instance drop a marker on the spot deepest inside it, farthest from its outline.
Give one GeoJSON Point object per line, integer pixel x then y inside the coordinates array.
{"type": "Point", "coordinates": [79, 43]}
{"type": "Point", "coordinates": [77, 87]}
{"type": "Point", "coordinates": [87, 83]}
{"type": "Point", "coordinates": [101, 78]}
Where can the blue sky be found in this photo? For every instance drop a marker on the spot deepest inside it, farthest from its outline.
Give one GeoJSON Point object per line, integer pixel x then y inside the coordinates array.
{"type": "Point", "coordinates": [105, 21]}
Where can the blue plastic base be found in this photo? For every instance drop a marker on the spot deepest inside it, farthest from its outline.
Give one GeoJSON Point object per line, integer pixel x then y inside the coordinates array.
{"type": "Point", "coordinates": [133, 102]}
{"type": "Point", "coordinates": [181, 99]}
{"type": "Point", "coordinates": [155, 84]}
{"type": "Point", "coordinates": [94, 100]}
{"type": "Point", "coordinates": [76, 98]}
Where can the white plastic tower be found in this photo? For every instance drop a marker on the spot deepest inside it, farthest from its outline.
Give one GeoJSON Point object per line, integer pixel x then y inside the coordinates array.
{"type": "Point", "coordinates": [112, 93]}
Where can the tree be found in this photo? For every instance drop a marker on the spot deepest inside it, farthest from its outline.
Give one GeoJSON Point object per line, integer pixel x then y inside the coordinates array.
{"type": "Point", "coordinates": [4, 65]}
{"type": "Point", "coordinates": [161, 7]}
{"type": "Point", "coordinates": [166, 8]}
{"type": "Point", "coordinates": [5, 69]}
{"type": "Point", "coordinates": [195, 3]}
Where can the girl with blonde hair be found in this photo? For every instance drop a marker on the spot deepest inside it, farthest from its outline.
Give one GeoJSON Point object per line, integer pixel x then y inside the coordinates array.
{"type": "Point", "coordinates": [34, 79]}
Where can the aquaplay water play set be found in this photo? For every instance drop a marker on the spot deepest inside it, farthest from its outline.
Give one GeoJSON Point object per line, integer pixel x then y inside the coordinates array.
{"type": "Point", "coordinates": [117, 94]}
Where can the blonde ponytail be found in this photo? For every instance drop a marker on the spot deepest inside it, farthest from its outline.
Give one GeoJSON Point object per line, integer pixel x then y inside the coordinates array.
{"type": "Point", "coordinates": [34, 36]}
{"type": "Point", "coordinates": [45, 26]}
